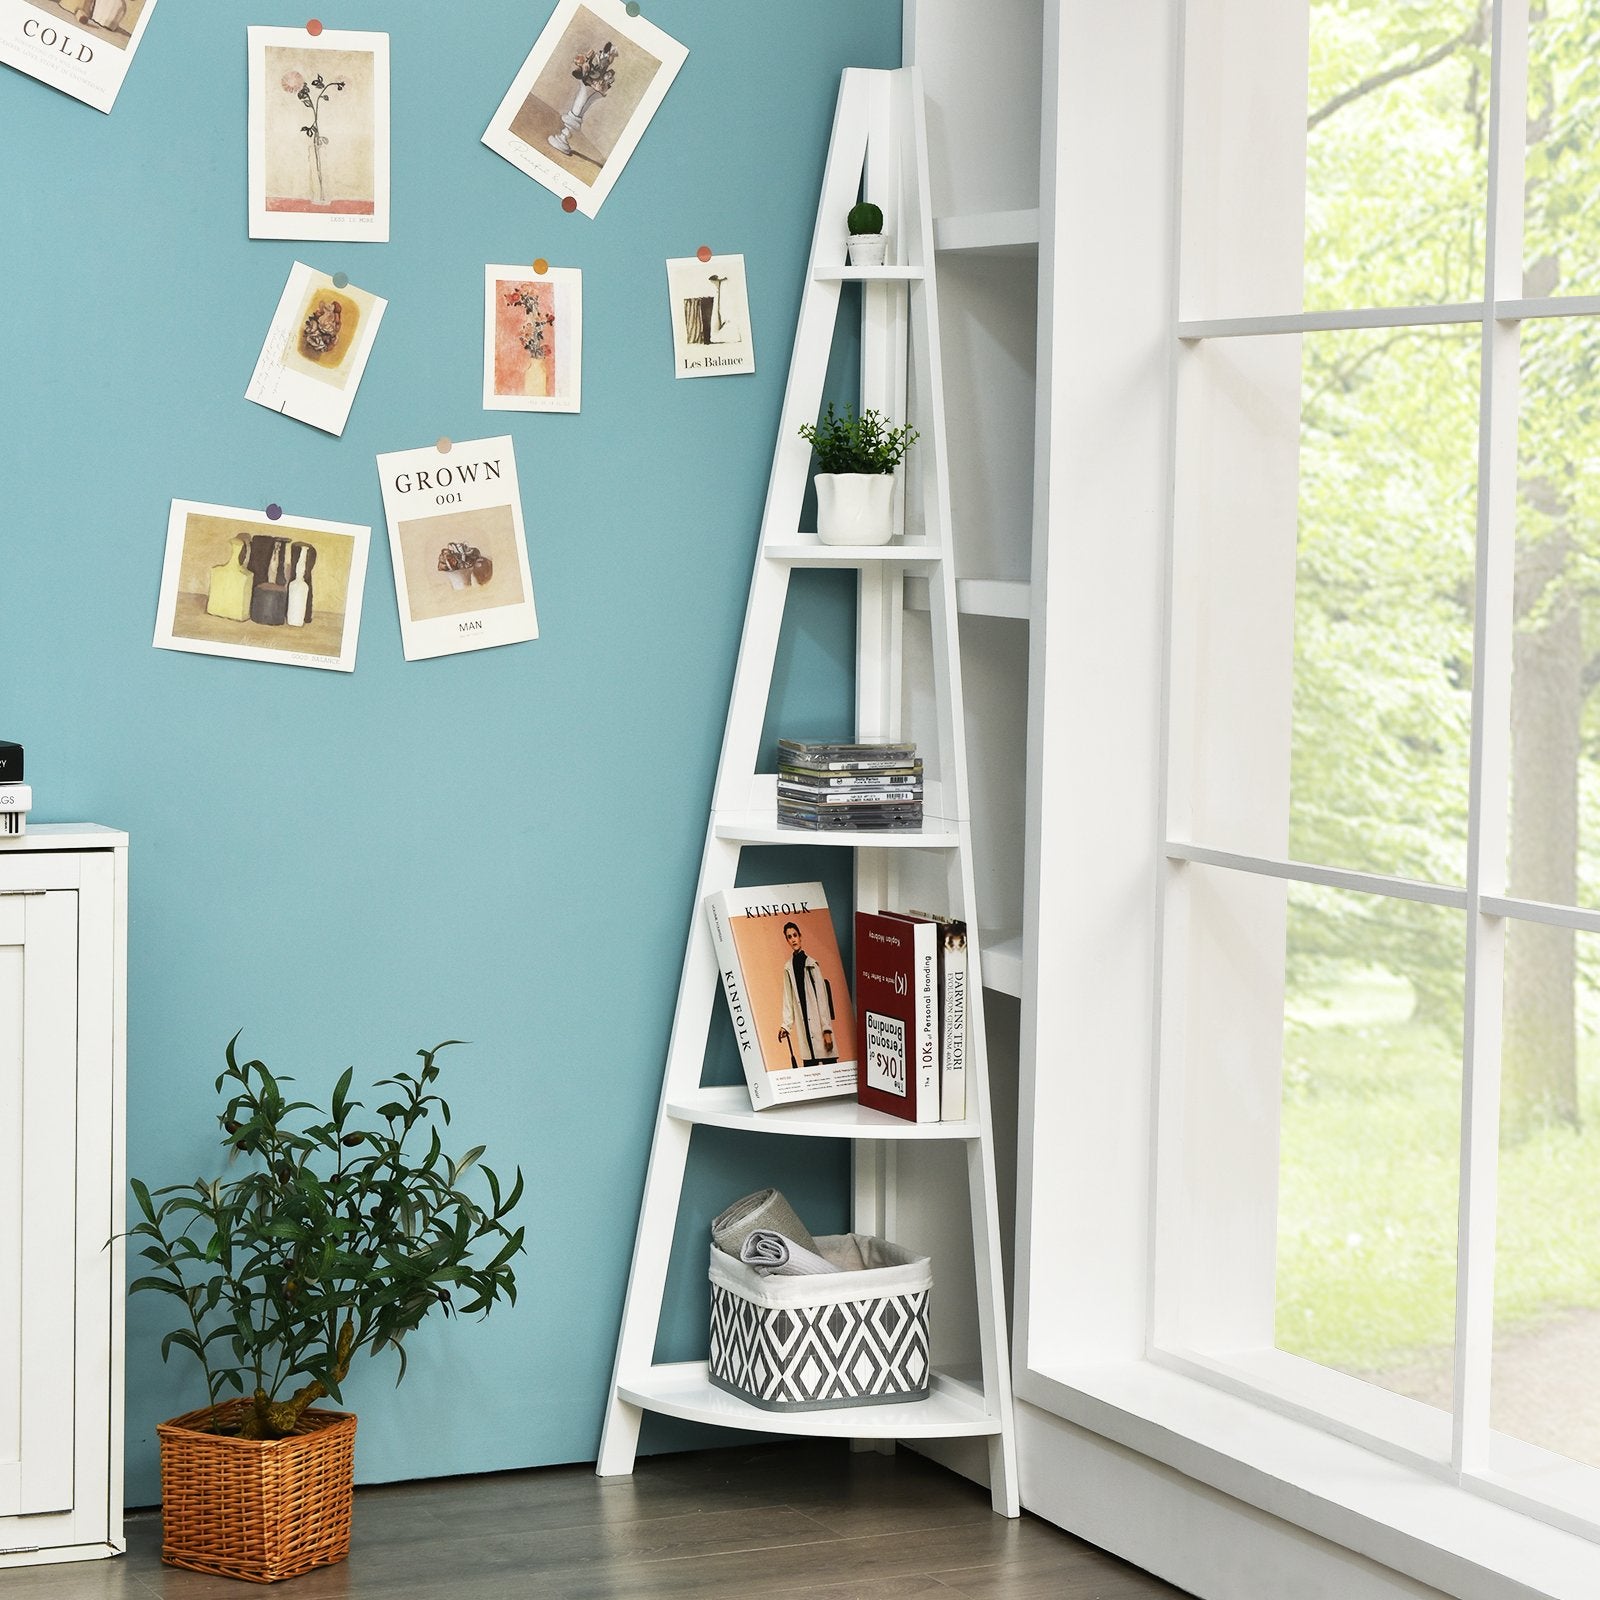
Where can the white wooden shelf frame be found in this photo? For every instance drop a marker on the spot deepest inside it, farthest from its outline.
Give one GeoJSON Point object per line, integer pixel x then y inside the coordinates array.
{"type": "Point", "coordinates": [879, 136]}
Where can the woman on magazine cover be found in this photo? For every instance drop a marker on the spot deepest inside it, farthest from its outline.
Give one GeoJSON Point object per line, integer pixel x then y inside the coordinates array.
{"type": "Point", "coordinates": [807, 1005]}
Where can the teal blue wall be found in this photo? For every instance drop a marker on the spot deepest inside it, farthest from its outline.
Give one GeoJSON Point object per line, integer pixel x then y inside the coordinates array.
{"type": "Point", "coordinates": [499, 847]}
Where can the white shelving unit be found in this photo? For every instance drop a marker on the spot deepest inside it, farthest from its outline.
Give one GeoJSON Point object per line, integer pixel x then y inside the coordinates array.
{"type": "Point", "coordinates": [908, 676]}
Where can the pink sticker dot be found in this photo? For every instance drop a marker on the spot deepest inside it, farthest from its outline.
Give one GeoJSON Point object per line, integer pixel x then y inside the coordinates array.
{"type": "Point", "coordinates": [443, 447]}
{"type": "Point", "coordinates": [704, 252]}
{"type": "Point", "coordinates": [569, 204]}
{"type": "Point", "coordinates": [313, 27]}
{"type": "Point", "coordinates": [274, 511]}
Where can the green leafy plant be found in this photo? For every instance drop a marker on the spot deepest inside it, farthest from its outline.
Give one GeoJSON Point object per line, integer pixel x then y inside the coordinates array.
{"type": "Point", "coordinates": [857, 444]}
{"type": "Point", "coordinates": [864, 218]}
{"type": "Point", "coordinates": [342, 1235]}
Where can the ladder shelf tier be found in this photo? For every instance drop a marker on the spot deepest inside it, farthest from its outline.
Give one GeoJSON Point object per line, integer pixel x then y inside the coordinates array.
{"type": "Point", "coordinates": [809, 551]}
{"type": "Point", "coordinates": [728, 1106]}
{"type": "Point", "coordinates": [682, 1389]}
{"type": "Point", "coordinates": [838, 274]}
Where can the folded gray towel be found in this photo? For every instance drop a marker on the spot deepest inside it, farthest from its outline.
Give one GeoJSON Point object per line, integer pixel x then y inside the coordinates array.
{"type": "Point", "coordinates": [772, 1255]}
{"type": "Point", "coordinates": [766, 1208]}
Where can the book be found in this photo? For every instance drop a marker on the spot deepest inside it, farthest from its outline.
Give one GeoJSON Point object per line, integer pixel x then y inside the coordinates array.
{"type": "Point", "coordinates": [10, 762]}
{"type": "Point", "coordinates": [952, 1016]}
{"type": "Point", "coordinates": [787, 996]}
{"type": "Point", "coordinates": [896, 989]}
{"type": "Point", "coordinates": [16, 797]}
{"type": "Point", "coordinates": [13, 824]}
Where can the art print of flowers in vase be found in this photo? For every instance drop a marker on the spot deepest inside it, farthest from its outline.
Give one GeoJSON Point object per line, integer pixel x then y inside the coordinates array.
{"type": "Point", "coordinates": [596, 73]}
{"type": "Point", "coordinates": [529, 310]}
{"type": "Point", "coordinates": [311, 95]}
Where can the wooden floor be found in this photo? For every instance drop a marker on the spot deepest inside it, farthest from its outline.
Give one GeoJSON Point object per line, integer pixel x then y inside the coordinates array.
{"type": "Point", "coordinates": [805, 1521]}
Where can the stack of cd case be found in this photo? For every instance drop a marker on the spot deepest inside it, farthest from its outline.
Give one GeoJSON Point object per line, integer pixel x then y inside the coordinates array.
{"type": "Point", "coordinates": [871, 786]}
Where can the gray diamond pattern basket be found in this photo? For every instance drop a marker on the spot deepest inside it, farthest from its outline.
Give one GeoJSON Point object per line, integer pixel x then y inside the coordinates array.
{"type": "Point", "coordinates": [819, 1342]}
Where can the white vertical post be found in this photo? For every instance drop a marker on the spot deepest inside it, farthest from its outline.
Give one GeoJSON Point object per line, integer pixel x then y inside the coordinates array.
{"type": "Point", "coordinates": [1488, 792]}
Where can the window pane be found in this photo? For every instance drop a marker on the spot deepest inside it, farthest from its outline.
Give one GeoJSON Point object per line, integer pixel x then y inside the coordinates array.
{"type": "Point", "coordinates": [1369, 1140]}
{"type": "Point", "coordinates": [1323, 597]}
{"type": "Point", "coordinates": [1547, 1235]}
{"type": "Point", "coordinates": [1554, 842]}
{"type": "Point", "coordinates": [1396, 165]}
{"type": "Point", "coordinates": [1561, 252]}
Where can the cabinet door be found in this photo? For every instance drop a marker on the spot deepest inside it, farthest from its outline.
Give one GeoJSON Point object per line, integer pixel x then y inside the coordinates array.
{"type": "Point", "coordinates": [38, 1106]}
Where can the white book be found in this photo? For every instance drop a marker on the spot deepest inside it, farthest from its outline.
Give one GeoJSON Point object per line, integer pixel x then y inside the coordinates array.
{"type": "Point", "coordinates": [952, 1017]}
{"type": "Point", "coordinates": [13, 824]}
{"type": "Point", "coordinates": [16, 797]}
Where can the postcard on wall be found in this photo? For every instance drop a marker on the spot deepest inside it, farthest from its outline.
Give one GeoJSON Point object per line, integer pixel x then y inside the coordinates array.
{"type": "Point", "coordinates": [319, 135]}
{"type": "Point", "coordinates": [316, 349]}
{"type": "Point", "coordinates": [81, 47]}
{"type": "Point", "coordinates": [460, 553]}
{"type": "Point", "coordinates": [532, 339]}
{"type": "Point", "coordinates": [238, 583]}
{"type": "Point", "coordinates": [710, 317]}
{"type": "Point", "coordinates": [580, 103]}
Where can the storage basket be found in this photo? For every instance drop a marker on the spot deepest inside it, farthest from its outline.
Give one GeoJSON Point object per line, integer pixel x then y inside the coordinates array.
{"type": "Point", "coordinates": [814, 1343]}
{"type": "Point", "coordinates": [259, 1509]}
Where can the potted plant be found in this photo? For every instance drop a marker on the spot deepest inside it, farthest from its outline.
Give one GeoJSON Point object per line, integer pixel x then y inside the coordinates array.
{"type": "Point", "coordinates": [866, 245]}
{"type": "Point", "coordinates": [333, 1233]}
{"type": "Point", "coordinates": [856, 458]}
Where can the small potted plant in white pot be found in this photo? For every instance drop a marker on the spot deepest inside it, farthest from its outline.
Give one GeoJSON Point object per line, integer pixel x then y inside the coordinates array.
{"type": "Point", "coordinates": [867, 244]}
{"type": "Point", "coordinates": [856, 458]}
{"type": "Point", "coordinates": [331, 1234]}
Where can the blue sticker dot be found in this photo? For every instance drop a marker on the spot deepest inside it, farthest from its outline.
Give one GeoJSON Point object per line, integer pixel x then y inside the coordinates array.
{"type": "Point", "coordinates": [340, 281]}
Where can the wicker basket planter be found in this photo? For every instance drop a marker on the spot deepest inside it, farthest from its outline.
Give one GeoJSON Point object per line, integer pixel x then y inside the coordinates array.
{"type": "Point", "coordinates": [258, 1509]}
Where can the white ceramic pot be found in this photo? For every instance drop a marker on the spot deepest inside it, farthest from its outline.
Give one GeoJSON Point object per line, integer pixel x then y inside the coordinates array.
{"type": "Point", "coordinates": [855, 507]}
{"type": "Point", "coordinates": [866, 249]}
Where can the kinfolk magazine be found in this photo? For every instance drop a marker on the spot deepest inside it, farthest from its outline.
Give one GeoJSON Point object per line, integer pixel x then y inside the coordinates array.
{"type": "Point", "coordinates": [787, 993]}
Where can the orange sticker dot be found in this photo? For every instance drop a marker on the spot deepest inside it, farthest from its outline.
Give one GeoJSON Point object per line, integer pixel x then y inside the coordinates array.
{"type": "Point", "coordinates": [704, 252]}
{"type": "Point", "coordinates": [569, 204]}
{"type": "Point", "coordinates": [313, 27]}
{"type": "Point", "coordinates": [443, 447]}
{"type": "Point", "coordinates": [541, 266]}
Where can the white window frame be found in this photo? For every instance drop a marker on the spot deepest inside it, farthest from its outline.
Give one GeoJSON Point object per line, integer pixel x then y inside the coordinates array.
{"type": "Point", "coordinates": [1447, 1512]}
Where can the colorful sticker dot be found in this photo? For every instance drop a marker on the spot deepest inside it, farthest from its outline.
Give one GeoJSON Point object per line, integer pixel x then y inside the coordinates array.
{"type": "Point", "coordinates": [443, 447]}
{"type": "Point", "coordinates": [704, 252]}
{"type": "Point", "coordinates": [541, 266]}
{"type": "Point", "coordinates": [274, 511]}
{"type": "Point", "coordinates": [632, 8]}
{"type": "Point", "coordinates": [313, 27]}
{"type": "Point", "coordinates": [340, 281]}
{"type": "Point", "coordinates": [569, 204]}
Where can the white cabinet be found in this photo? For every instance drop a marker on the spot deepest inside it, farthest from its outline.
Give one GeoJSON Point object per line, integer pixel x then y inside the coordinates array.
{"type": "Point", "coordinates": [63, 924]}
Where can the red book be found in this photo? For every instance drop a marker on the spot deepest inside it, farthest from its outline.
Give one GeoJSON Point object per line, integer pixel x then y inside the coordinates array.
{"type": "Point", "coordinates": [897, 1060]}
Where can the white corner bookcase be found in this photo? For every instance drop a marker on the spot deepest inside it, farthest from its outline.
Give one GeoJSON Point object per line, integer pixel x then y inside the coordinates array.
{"type": "Point", "coordinates": [910, 1179]}
{"type": "Point", "coordinates": [63, 960]}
